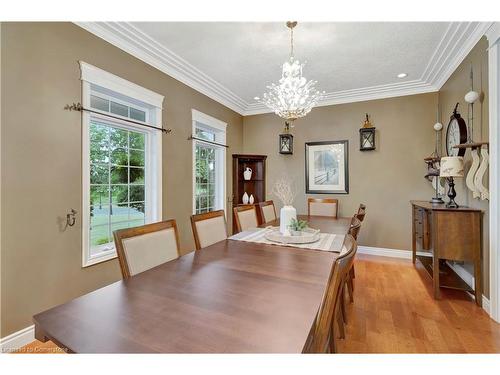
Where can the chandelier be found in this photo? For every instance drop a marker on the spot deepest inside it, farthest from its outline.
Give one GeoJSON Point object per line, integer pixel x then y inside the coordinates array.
{"type": "Point", "coordinates": [293, 97]}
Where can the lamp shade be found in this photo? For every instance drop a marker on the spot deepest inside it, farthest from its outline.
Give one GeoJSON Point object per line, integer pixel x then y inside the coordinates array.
{"type": "Point", "coordinates": [452, 166]}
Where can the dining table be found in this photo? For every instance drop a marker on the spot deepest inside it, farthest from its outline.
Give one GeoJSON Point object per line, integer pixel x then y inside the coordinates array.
{"type": "Point", "coordinates": [230, 297]}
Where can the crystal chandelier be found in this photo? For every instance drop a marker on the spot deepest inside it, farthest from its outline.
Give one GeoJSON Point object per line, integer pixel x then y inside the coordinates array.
{"type": "Point", "coordinates": [293, 97]}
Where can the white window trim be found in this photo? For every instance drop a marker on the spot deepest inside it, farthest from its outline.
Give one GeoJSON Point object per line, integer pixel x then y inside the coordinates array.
{"type": "Point", "coordinates": [220, 127]}
{"type": "Point", "coordinates": [93, 75]}
{"type": "Point", "coordinates": [97, 76]}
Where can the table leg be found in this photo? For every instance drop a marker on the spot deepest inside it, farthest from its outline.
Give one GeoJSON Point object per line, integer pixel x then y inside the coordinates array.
{"type": "Point", "coordinates": [40, 334]}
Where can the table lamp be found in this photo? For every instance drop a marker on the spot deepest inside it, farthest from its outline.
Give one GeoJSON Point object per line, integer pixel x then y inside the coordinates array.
{"type": "Point", "coordinates": [452, 166]}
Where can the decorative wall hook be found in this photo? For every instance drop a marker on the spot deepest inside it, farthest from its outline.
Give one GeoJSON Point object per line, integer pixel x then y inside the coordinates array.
{"type": "Point", "coordinates": [71, 218]}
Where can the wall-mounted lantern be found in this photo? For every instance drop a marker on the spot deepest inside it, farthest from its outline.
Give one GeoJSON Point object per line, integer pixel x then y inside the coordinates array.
{"type": "Point", "coordinates": [286, 141]}
{"type": "Point", "coordinates": [367, 136]}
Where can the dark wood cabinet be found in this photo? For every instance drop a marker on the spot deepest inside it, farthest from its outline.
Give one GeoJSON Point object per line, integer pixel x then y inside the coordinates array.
{"type": "Point", "coordinates": [256, 186]}
{"type": "Point", "coordinates": [453, 234]}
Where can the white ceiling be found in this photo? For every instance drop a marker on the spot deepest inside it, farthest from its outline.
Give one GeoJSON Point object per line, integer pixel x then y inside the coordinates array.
{"type": "Point", "coordinates": [233, 62]}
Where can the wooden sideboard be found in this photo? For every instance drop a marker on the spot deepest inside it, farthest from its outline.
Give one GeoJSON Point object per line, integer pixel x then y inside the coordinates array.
{"type": "Point", "coordinates": [453, 234]}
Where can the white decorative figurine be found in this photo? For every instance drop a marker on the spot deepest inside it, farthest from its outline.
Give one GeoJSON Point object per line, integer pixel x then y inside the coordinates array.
{"type": "Point", "coordinates": [245, 198]}
{"type": "Point", "coordinates": [251, 199]}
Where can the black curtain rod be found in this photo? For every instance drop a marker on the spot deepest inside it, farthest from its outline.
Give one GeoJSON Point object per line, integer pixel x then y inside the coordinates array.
{"type": "Point", "coordinates": [204, 140]}
{"type": "Point", "coordinates": [80, 108]}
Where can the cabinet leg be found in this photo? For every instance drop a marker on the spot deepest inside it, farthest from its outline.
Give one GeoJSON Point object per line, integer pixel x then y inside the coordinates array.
{"type": "Point", "coordinates": [478, 283]}
{"type": "Point", "coordinates": [435, 277]}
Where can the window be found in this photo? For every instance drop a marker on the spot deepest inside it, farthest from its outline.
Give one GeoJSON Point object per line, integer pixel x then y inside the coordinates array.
{"type": "Point", "coordinates": [209, 163]}
{"type": "Point", "coordinates": [121, 160]}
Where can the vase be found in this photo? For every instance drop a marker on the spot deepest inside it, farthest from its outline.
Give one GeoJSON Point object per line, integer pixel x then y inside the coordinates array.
{"type": "Point", "coordinates": [245, 198]}
{"type": "Point", "coordinates": [247, 174]}
{"type": "Point", "coordinates": [251, 199]}
{"type": "Point", "coordinates": [287, 213]}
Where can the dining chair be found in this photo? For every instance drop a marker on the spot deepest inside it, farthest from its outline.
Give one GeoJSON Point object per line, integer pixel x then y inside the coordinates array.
{"type": "Point", "coordinates": [142, 248]}
{"type": "Point", "coordinates": [208, 228]}
{"type": "Point", "coordinates": [361, 212]}
{"type": "Point", "coordinates": [267, 211]}
{"type": "Point", "coordinates": [324, 333]}
{"type": "Point", "coordinates": [245, 217]}
{"type": "Point", "coordinates": [323, 207]}
{"type": "Point", "coordinates": [354, 228]}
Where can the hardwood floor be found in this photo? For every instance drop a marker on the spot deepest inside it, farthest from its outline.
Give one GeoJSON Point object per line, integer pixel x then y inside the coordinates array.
{"type": "Point", "coordinates": [38, 347]}
{"type": "Point", "coordinates": [394, 312]}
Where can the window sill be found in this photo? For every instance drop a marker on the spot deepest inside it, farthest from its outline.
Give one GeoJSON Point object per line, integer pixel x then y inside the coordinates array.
{"type": "Point", "coordinates": [99, 259]}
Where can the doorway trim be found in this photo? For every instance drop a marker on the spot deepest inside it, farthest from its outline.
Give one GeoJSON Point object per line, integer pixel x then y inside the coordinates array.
{"type": "Point", "coordinates": [493, 35]}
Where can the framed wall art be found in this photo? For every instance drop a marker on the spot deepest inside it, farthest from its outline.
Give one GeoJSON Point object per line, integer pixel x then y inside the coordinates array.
{"type": "Point", "coordinates": [327, 167]}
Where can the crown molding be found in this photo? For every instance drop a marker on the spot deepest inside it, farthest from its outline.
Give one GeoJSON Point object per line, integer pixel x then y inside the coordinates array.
{"type": "Point", "coordinates": [456, 43]}
{"type": "Point", "coordinates": [133, 41]}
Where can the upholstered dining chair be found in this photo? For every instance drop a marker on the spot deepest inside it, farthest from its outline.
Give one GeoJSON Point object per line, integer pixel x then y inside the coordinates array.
{"type": "Point", "coordinates": [322, 337]}
{"type": "Point", "coordinates": [208, 228]}
{"type": "Point", "coordinates": [267, 211]}
{"type": "Point", "coordinates": [323, 207]}
{"type": "Point", "coordinates": [245, 217]}
{"type": "Point", "coordinates": [142, 248]}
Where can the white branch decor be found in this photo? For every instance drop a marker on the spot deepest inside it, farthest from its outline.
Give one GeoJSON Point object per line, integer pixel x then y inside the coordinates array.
{"type": "Point", "coordinates": [284, 190]}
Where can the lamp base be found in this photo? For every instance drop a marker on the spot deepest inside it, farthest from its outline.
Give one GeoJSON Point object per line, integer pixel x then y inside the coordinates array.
{"type": "Point", "coordinates": [451, 194]}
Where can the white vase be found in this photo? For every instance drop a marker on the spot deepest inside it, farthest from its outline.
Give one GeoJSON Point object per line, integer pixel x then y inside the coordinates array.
{"type": "Point", "coordinates": [287, 213]}
{"type": "Point", "coordinates": [247, 174]}
{"type": "Point", "coordinates": [245, 198]}
{"type": "Point", "coordinates": [251, 199]}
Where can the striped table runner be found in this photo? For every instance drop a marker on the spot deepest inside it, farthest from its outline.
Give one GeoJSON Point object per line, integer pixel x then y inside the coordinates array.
{"type": "Point", "coordinates": [326, 242]}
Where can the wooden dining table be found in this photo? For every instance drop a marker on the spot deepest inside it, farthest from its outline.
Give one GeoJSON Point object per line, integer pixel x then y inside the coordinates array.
{"type": "Point", "coordinates": [230, 297]}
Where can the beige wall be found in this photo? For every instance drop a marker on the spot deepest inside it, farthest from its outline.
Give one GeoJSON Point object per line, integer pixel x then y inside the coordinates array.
{"type": "Point", "coordinates": [453, 91]}
{"type": "Point", "coordinates": [41, 161]}
{"type": "Point", "coordinates": [385, 179]}
{"type": "Point", "coordinates": [41, 158]}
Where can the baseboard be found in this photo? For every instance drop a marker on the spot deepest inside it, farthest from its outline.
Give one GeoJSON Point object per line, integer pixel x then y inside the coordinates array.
{"type": "Point", "coordinates": [17, 339]}
{"type": "Point", "coordinates": [406, 254]}
{"type": "Point", "coordinates": [486, 305]}
{"type": "Point", "coordinates": [391, 253]}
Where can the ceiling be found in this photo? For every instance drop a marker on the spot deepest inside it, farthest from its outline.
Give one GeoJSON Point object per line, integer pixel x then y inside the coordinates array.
{"type": "Point", "coordinates": [233, 62]}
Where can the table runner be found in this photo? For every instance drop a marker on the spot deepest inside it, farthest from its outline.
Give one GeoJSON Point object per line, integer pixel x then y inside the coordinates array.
{"type": "Point", "coordinates": [326, 242]}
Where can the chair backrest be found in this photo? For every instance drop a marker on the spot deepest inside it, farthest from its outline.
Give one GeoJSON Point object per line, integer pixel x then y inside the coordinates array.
{"type": "Point", "coordinates": [245, 217]}
{"type": "Point", "coordinates": [208, 228]}
{"type": "Point", "coordinates": [355, 227]}
{"type": "Point", "coordinates": [147, 246]}
{"type": "Point", "coordinates": [361, 212]}
{"type": "Point", "coordinates": [323, 207]}
{"type": "Point", "coordinates": [331, 299]}
{"type": "Point", "coordinates": [268, 211]}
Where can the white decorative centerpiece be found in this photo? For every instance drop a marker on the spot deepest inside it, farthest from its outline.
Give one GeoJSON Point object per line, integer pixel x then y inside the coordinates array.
{"type": "Point", "coordinates": [247, 173]}
{"type": "Point", "coordinates": [283, 189]}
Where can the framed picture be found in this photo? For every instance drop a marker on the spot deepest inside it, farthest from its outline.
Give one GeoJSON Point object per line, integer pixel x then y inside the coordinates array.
{"type": "Point", "coordinates": [327, 167]}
